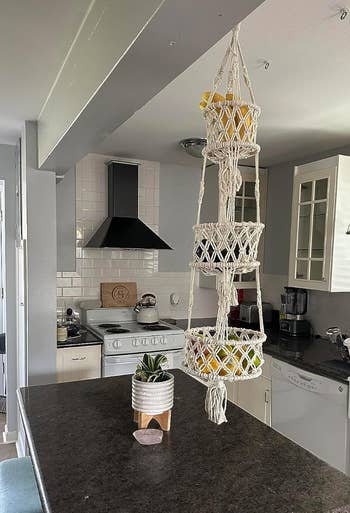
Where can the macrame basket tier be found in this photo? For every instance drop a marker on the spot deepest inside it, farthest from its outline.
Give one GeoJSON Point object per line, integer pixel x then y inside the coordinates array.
{"type": "Point", "coordinates": [230, 246]}
{"type": "Point", "coordinates": [231, 130]}
{"type": "Point", "coordinates": [240, 357]}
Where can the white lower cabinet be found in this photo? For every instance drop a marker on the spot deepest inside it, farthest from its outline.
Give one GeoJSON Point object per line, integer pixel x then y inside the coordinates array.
{"type": "Point", "coordinates": [254, 395]}
{"type": "Point", "coordinates": [78, 363]}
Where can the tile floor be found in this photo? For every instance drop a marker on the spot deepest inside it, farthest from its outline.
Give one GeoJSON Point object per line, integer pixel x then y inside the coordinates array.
{"type": "Point", "coordinates": [6, 450]}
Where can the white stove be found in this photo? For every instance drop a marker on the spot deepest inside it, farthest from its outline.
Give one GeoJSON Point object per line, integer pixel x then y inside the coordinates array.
{"type": "Point", "coordinates": [125, 341]}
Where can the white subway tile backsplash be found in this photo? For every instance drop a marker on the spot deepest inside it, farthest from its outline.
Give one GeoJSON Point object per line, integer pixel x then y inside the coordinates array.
{"type": "Point", "coordinates": [72, 291]}
{"type": "Point", "coordinates": [64, 282]}
{"type": "Point", "coordinates": [91, 292]}
{"type": "Point", "coordinates": [94, 265]}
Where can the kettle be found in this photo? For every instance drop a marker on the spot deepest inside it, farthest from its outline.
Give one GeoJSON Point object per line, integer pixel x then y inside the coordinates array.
{"type": "Point", "coordinates": [147, 312]}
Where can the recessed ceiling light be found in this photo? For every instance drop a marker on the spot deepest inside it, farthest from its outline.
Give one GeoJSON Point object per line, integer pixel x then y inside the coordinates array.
{"type": "Point", "coordinates": [172, 43]}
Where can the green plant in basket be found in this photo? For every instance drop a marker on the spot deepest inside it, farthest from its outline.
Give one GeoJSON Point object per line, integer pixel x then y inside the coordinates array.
{"type": "Point", "coordinates": [150, 368]}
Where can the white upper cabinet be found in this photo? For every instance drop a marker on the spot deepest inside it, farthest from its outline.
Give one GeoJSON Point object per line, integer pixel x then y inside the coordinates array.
{"type": "Point", "coordinates": [320, 245]}
{"type": "Point", "coordinates": [245, 211]}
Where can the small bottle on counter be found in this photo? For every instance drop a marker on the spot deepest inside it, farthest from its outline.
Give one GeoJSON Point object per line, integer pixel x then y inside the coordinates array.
{"type": "Point", "coordinates": [62, 333]}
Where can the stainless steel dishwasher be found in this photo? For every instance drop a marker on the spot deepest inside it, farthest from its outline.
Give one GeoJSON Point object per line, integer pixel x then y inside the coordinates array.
{"type": "Point", "coordinates": [312, 411]}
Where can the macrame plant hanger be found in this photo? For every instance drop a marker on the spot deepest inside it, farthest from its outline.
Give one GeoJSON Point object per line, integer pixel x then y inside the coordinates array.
{"type": "Point", "coordinates": [227, 248]}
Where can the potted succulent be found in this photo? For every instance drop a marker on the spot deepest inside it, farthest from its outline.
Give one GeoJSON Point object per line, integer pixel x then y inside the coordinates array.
{"type": "Point", "coordinates": [152, 386]}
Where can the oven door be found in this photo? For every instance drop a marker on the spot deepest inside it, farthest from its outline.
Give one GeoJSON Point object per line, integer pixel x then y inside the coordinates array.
{"type": "Point", "coordinates": [126, 363]}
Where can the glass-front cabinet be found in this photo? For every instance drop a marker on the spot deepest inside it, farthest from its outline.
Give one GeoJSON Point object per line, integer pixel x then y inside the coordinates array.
{"type": "Point", "coordinates": [245, 210]}
{"type": "Point", "coordinates": [320, 219]}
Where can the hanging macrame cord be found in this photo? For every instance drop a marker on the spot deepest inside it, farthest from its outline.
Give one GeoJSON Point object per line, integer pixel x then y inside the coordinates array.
{"type": "Point", "coordinates": [229, 247]}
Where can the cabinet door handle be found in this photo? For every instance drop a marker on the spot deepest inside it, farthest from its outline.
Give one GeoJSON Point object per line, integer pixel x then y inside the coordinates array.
{"type": "Point", "coordinates": [79, 358]}
{"type": "Point", "coordinates": [267, 396]}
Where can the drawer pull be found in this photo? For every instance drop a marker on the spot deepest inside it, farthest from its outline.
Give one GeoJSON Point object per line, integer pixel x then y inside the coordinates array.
{"type": "Point", "coordinates": [79, 358]}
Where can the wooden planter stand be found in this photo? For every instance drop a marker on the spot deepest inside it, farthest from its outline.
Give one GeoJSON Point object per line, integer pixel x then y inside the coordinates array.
{"type": "Point", "coordinates": [143, 419]}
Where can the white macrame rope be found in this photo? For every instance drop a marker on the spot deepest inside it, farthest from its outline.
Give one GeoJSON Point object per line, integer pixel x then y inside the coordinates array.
{"type": "Point", "coordinates": [216, 402]}
{"type": "Point", "coordinates": [228, 247]}
{"type": "Point", "coordinates": [191, 297]}
{"type": "Point", "coordinates": [193, 271]}
{"type": "Point", "coordinates": [245, 74]}
{"type": "Point", "coordinates": [219, 76]}
{"type": "Point", "coordinates": [257, 187]}
{"type": "Point", "coordinates": [201, 189]}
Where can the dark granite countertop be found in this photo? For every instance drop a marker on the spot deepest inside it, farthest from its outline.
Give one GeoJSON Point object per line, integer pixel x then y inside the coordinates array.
{"type": "Point", "coordinates": [312, 354]}
{"type": "Point", "coordinates": [86, 338]}
{"type": "Point", "coordinates": [86, 459]}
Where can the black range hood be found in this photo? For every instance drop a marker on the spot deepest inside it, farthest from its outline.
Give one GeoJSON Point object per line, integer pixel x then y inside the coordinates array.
{"type": "Point", "coordinates": [122, 228]}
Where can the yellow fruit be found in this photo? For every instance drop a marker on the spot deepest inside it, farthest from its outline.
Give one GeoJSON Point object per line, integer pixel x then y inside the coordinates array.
{"type": "Point", "coordinates": [237, 118]}
{"type": "Point", "coordinates": [207, 365]}
{"type": "Point", "coordinates": [205, 97]}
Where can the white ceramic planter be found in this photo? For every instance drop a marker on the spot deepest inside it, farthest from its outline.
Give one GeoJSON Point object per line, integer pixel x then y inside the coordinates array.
{"type": "Point", "coordinates": [153, 398]}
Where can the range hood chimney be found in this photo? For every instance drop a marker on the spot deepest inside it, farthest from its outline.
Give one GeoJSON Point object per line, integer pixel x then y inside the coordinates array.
{"type": "Point", "coordinates": [122, 228]}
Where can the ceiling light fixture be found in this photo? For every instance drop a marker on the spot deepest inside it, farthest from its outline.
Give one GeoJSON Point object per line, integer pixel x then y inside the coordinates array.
{"type": "Point", "coordinates": [172, 43]}
{"type": "Point", "coordinates": [194, 146]}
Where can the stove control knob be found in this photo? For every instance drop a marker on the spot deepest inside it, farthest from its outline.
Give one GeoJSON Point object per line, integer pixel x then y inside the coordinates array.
{"type": "Point", "coordinates": [156, 340]}
{"type": "Point", "coordinates": [116, 343]}
{"type": "Point", "coordinates": [137, 342]}
{"type": "Point", "coordinates": [162, 340]}
{"type": "Point", "coordinates": [145, 341]}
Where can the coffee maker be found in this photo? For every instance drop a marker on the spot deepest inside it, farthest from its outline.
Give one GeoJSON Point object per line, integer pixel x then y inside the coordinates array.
{"type": "Point", "coordinates": [292, 313]}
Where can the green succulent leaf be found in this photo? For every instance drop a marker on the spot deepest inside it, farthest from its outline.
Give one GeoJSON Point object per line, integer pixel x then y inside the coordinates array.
{"type": "Point", "coordinates": [150, 369]}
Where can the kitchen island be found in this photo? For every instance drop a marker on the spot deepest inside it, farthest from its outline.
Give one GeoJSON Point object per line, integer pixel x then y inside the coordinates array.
{"type": "Point", "coordinates": [86, 459]}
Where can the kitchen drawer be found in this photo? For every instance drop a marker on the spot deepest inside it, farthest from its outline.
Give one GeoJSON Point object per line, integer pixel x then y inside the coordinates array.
{"type": "Point", "coordinates": [78, 363]}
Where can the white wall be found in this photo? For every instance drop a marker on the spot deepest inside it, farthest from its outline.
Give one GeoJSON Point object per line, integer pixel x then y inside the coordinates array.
{"type": "Point", "coordinates": [41, 268]}
{"type": "Point", "coordinates": [8, 173]}
{"type": "Point", "coordinates": [96, 265]}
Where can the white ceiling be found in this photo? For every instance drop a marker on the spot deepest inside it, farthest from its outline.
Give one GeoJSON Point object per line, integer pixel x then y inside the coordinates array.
{"type": "Point", "coordinates": [35, 36]}
{"type": "Point", "coordinates": [304, 95]}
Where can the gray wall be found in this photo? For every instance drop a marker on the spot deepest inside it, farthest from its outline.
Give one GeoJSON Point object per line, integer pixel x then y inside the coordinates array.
{"type": "Point", "coordinates": [278, 219]}
{"type": "Point", "coordinates": [8, 173]}
{"type": "Point", "coordinates": [65, 211]}
{"type": "Point", "coordinates": [178, 196]}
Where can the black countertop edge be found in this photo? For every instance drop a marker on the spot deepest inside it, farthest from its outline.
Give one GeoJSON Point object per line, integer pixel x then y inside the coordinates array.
{"type": "Point", "coordinates": [312, 354]}
{"type": "Point", "coordinates": [33, 454]}
{"type": "Point", "coordinates": [87, 338]}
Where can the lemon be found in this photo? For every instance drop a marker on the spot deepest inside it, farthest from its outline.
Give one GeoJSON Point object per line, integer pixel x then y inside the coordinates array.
{"type": "Point", "coordinates": [225, 120]}
{"type": "Point", "coordinates": [205, 97]}
{"type": "Point", "coordinates": [207, 365]}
